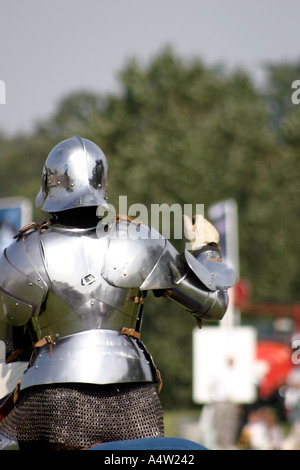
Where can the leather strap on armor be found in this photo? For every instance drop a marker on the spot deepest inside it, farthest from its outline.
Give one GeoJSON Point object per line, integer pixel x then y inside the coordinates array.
{"type": "Point", "coordinates": [10, 401]}
{"type": "Point", "coordinates": [13, 355]}
{"type": "Point", "coordinates": [49, 339]}
{"type": "Point", "coordinates": [130, 332]}
{"type": "Point", "coordinates": [43, 225]}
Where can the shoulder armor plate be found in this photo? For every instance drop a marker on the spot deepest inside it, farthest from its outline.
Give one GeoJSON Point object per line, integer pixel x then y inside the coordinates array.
{"type": "Point", "coordinates": [22, 285]}
{"type": "Point", "coordinates": [132, 252]}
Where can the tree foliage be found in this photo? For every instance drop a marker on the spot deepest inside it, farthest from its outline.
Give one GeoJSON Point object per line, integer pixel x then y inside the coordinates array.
{"type": "Point", "coordinates": [180, 132]}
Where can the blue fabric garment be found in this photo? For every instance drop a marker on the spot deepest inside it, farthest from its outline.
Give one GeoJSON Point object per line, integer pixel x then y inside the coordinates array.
{"type": "Point", "coordinates": [158, 443]}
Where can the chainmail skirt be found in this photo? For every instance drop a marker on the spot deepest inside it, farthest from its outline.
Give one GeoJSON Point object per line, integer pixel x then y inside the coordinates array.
{"type": "Point", "coordinates": [71, 417]}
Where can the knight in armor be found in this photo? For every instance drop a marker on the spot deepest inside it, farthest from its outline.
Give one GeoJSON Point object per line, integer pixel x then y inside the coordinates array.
{"type": "Point", "coordinates": [71, 299]}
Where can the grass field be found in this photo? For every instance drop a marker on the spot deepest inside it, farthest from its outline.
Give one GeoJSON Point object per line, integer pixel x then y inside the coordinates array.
{"type": "Point", "coordinates": [174, 419]}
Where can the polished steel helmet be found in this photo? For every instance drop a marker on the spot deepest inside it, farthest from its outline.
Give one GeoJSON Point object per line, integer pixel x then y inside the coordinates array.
{"type": "Point", "coordinates": [74, 175]}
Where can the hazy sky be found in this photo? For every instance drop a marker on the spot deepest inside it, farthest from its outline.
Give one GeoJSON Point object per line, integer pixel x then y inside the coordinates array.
{"type": "Point", "coordinates": [49, 48]}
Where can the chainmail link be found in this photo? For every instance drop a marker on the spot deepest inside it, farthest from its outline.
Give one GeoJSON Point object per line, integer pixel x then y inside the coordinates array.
{"type": "Point", "coordinates": [79, 416]}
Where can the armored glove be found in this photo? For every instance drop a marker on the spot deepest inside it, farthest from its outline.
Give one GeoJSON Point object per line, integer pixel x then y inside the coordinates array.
{"type": "Point", "coordinates": [201, 232]}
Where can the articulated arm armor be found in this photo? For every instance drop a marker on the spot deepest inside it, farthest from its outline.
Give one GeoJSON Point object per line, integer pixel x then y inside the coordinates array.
{"type": "Point", "coordinates": [77, 296]}
{"type": "Point", "coordinates": [198, 284]}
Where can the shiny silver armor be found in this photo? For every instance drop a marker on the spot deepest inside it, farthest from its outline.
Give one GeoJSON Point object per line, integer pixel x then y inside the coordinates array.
{"type": "Point", "coordinates": [79, 290]}
{"type": "Point", "coordinates": [74, 175]}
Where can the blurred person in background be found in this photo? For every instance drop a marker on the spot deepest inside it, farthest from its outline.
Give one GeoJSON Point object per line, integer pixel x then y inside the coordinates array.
{"type": "Point", "coordinates": [262, 431]}
{"type": "Point", "coordinates": [291, 395]}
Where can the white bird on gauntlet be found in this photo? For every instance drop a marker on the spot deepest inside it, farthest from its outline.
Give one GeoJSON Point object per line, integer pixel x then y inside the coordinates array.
{"type": "Point", "coordinates": [201, 232]}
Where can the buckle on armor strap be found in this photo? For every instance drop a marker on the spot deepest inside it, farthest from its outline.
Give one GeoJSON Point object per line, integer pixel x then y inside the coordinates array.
{"type": "Point", "coordinates": [49, 339]}
{"type": "Point", "coordinates": [130, 332]}
{"type": "Point", "coordinates": [43, 225]}
{"type": "Point", "coordinates": [135, 300]}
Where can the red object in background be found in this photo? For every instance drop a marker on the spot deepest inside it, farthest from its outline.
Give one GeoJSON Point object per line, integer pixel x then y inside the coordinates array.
{"type": "Point", "coordinates": [279, 359]}
{"type": "Point", "coordinates": [242, 292]}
